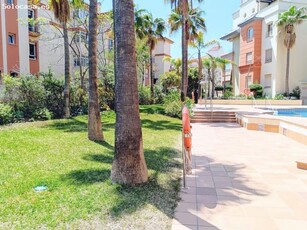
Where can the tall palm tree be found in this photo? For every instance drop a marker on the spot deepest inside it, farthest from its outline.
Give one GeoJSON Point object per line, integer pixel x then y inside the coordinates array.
{"type": "Point", "coordinates": [94, 121]}
{"type": "Point", "coordinates": [222, 63]}
{"type": "Point", "coordinates": [150, 29]}
{"type": "Point", "coordinates": [181, 7]}
{"type": "Point", "coordinates": [61, 9]}
{"type": "Point", "coordinates": [129, 166]}
{"type": "Point", "coordinates": [200, 44]}
{"type": "Point", "coordinates": [287, 20]}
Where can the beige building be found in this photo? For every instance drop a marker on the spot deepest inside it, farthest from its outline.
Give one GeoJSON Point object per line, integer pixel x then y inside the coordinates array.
{"type": "Point", "coordinates": [161, 51]}
{"type": "Point", "coordinates": [259, 51]}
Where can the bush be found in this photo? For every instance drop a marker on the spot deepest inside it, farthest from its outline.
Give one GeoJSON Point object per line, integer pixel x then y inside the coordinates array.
{"type": "Point", "coordinates": [257, 89]}
{"type": "Point", "coordinates": [6, 114]}
{"type": "Point", "coordinates": [219, 88]}
{"type": "Point", "coordinates": [170, 80]}
{"type": "Point", "coordinates": [106, 90]}
{"type": "Point", "coordinates": [42, 115]}
{"type": "Point", "coordinates": [279, 96]}
{"type": "Point", "coordinates": [78, 100]}
{"type": "Point", "coordinates": [144, 95]}
{"type": "Point", "coordinates": [296, 92]}
{"type": "Point", "coordinates": [173, 104]}
{"type": "Point", "coordinates": [228, 94]}
{"type": "Point", "coordinates": [228, 87]}
{"type": "Point", "coordinates": [173, 108]}
{"type": "Point", "coordinates": [158, 94]}
{"type": "Point", "coordinates": [54, 96]}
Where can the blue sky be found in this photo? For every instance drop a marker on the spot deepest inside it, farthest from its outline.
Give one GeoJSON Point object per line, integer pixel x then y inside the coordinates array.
{"type": "Point", "coordinates": [218, 16]}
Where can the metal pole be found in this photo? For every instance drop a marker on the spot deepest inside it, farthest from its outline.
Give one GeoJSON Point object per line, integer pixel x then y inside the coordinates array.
{"type": "Point", "coordinates": [183, 159]}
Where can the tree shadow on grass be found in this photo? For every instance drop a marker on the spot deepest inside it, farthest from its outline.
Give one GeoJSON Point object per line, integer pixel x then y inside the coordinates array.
{"type": "Point", "coordinates": [88, 176]}
{"type": "Point", "coordinates": [75, 125]}
{"type": "Point", "coordinates": [162, 189]}
{"type": "Point", "coordinates": [160, 125]}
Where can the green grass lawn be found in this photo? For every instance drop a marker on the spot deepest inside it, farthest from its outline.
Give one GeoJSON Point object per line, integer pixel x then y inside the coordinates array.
{"type": "Point", "coordinates": [76, 171]}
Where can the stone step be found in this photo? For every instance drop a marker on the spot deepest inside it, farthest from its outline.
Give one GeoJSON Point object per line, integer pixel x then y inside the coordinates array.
{"type": "Point", "coordinates": [212, 120]}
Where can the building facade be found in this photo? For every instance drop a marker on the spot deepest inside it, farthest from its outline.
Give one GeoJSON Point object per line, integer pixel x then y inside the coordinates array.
{"type": "Point", "coordinates": [258, 47]}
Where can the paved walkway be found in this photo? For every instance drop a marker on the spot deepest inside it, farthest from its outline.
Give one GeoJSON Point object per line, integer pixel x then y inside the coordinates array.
{"type": "Point", "coordinates": [243, 180]}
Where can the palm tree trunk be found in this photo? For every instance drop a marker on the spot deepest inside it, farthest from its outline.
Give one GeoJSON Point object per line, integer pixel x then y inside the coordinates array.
{"type": "Point", "coordinates": [66, 73]}
{"type": "Point", "coordinates": [184, 79]}
{"type": "Point", "coordinates": [151, 76]}
{"type": "Point", "coordinates": [94, 120]}
{"type": "Point", "coordinates": [224, 77]}
{"type": "Point", "coordinates": [129, 166]}
{"type": "Point", "coordinates": [213, 83]}
{"type": "Point", "coordinates": [287, 72]}
{"type": "Point", "coordinates": [200, 74]}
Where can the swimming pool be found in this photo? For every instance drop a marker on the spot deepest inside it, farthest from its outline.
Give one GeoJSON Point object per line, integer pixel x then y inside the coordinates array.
{"type": "Point", "coordinates": [296, 112]}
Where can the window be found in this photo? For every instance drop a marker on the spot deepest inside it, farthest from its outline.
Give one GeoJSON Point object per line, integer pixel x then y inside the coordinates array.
{"type": "Point", "coordinates": [250, 34]}
{"type": "Point", "coordinates": [248, 81]}
{"type": "Point", "coordinates": [31, 20]}
{"type": "Point", "coordinates": [267, 81]}
{"type": "Point", "coordinates": [81, 61]}
{"type": "Point", "coordinates": [249, 58]}
{"type": "Point", "coordinates": [11, 39]}
{"type": "Point", "coordinates": [111, 44]}
{"type": "Point", "coordinates": [270, 30]}
{"type": "Point", "coordinates": [32, 51]}
{"type": "Point", "coordinates": [268, 55]}
{"type": "Point", "coordinates": [80, 37]}
{"type": "Point", "coordinates": [10, 2]}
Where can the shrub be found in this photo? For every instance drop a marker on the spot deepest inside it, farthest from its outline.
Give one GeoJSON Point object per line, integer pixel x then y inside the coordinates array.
{"type": "Point", "coordinates": [228, 87]}
{"type": "Point", "coordinates": [173, 104]}
{"type": "Point", "coordinates": [296, 92]}
{"type": "Point", "coordinates": [219, 88]}
{"type": "Point", "coordinates": [6, 114]}
{"type": "Point", "coordinates": [158, 94]}
{"type": "Point", "coordinates": [279, 96]}
{"type": "Point", "coordinates": [42, 115]}
{"type": "Point", "coordinates": [170, 80]}
{"type": "Point", "coordinates": [257, 89]}
{"type": "Point", "coordinates": [54, 96]}
{"type": "Point", "coordinates": [173, 108]}
{"type": "Point", "coordinates": [144, 95]}
{"type": "Point", "coordinates": [106, 88]}
{"type": "Point", "coordinates": [228, 94]}
{"type": "Point", "coordinates": [78, 100]}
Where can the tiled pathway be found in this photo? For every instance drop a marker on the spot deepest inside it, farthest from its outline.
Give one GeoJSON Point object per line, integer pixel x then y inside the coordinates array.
{"type": "Point", "coordinates": [243, 180]}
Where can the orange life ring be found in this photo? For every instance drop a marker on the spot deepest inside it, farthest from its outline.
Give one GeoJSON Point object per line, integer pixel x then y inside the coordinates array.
{"type": "Point", "coordinates": [186, 129]}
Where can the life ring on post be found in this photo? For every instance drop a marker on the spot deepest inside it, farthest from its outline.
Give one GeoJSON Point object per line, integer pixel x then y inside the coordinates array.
{"type": "Point", "coordinates": [187, 141]}
{"type": "Point", "coordinates": [186, 129]}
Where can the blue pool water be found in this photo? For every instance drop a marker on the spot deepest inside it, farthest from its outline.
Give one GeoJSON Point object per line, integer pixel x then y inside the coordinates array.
{"type": "Point", "coordinates": [291, 112]}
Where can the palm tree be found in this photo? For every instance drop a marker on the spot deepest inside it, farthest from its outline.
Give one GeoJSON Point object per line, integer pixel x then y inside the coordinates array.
{"type": "Point", "coordinates": [287, 20]}
{"type": "Point", "coordinates": [211, 63]}
{"type": "Point", "coordinates": [94, 121]}
{"type": "Point", "coordinates": [129, 166]}
{"type": "Point", "coordinates": [61, 9]}
{"type": "Point", "coordinates": [199, 44]}
{"type": "Point", "coordinates": [222, 63]}
{"type": "Point", "coordinates": [151, 29]}
{"type": "Point", "coordinates": [181, 7]}
{"type": "Point", "coordinates": [176, 64]}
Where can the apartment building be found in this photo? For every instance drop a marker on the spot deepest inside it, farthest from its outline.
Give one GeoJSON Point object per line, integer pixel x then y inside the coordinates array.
{"type": "Point", "coordinates": [258, 47]}
{"type": "Point", "coordinates": [31, 39]}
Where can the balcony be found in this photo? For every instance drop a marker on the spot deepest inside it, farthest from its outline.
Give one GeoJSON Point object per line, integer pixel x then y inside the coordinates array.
{"type": "Point", "coordinates": [34, 31]}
